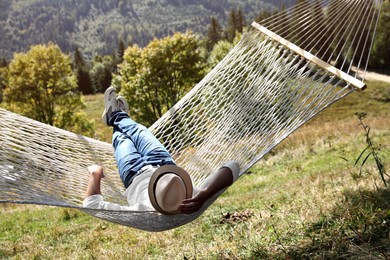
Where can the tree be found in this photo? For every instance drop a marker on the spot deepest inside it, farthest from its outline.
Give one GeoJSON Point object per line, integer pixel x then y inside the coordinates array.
{"type": "Point", "coordinates": [3, 71]}
{"type": "Point", "coordinates": [3, 63]}
{"type": "Point", "coordinates": [82, 73]}
{"type": "Point", "coordinates": [380, 53]}
{"type": "Point", "coordinates": [78, 59]}
{"type": "Point", "coordinates": [319, 23]}
{"type": "Point", "coordinates": [299, 21]}
{"type": "Point", "coordinates": [264, 14]}
{"type": "Point", "coordinates": [231, 27]}
{"type": "Point", "coordinates": [121, 50]}
{"type": "Point", "coordinates": [240, 22]}
{"type": "Point", "coordinates": [154, 78]}
{"type": "Point", "coordinates": [42, 86]}
{"type": "Point", "coordinates": [337, 35]}
{"type": "Point", "coordinates": [359, 45]}
{"type": "Point", "coordinates": [101, 72]}
{"type": "Point", "coordinates": [214, 33]}
{"type": "Point", "coordinates": [219, 52]}
{"type": "Point", "coordinates": [84, 80]}
{"type": "Point", "coordinates": [235, 23]}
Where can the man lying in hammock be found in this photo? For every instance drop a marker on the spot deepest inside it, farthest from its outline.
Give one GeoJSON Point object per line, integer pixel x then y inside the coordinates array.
{"type": "Point", "coordinates": [152, 179]}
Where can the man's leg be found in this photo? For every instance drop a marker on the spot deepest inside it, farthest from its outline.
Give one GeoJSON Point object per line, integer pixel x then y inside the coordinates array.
{"type": "Point", "coordinates": [128, 159]}
{"type": "Point", "coordinates": [146, 144]}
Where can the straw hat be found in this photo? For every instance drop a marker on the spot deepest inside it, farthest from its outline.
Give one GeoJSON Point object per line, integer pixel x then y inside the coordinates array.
{"type": "Point", "coordinates": [168, 187]}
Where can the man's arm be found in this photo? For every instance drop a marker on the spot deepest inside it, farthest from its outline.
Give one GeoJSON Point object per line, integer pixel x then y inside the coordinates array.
{"type": "Point", "coordinates": [94, 197]}
{"type": "Point", "coordinates": [223, 178]}
{"type": "Point", "coordinates": [95, 177]}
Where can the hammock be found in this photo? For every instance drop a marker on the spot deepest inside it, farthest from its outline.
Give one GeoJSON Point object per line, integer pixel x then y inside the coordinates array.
{"type": "Point", "coordinates": [261, 92]}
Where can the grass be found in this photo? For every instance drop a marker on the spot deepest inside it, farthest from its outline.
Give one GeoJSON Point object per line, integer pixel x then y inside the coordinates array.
{"type": "Point", "coordinates": [305, 199]}
{"type": "Point", "coordinates": [94, 110]}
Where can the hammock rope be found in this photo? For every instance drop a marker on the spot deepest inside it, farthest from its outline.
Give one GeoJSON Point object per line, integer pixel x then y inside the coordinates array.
{"type": "Point", "coordinates": [260, 93]}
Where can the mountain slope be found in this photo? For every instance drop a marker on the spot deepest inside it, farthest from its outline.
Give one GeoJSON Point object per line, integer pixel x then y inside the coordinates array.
{"type": "Point", "coordinates": [96, 26]}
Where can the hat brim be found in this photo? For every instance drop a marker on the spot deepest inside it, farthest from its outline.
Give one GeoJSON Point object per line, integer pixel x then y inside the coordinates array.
{"type": "Point", "coordinates": [159, 173]}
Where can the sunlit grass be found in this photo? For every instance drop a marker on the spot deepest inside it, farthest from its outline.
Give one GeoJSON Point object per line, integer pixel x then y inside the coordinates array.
{"type": "Point", "coordinates": [94, 110]}
{"type": "Point", "coordinates": [305, 199]}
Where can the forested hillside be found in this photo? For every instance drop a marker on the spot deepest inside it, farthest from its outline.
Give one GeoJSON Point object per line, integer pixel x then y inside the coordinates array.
{"type": "Point", "coordinates": [97, 26]}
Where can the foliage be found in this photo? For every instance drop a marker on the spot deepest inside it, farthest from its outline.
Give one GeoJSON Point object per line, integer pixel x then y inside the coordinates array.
{"type": "Point", "coordinates": [334, 37]}
{"type": "Point", "coordinates": [42, 86]}
{"type": "Point", "coordinates": [371, 150]}
{"type": "Point", "coordinates": [3, 71]}
{"type": "Point", "coordinates": [235, 23]}
{"type": "Point", "coordinates": [214, 33]}
{"type": "Point", "coordinates": [101, 72]}
{"type": "Point", "coordinates": [84, 80]}
{"type": "Point", "coordinates": [154, 78]}
{"type": "Point", "coordinates": [380, 52]}
{"type": "Point", "coordinates": [219, 52]}
{"type": "Point", "coordinates": [121, 50]}
{"type": "Point", "coordinates": [360, 47]}
{"type": "Point", "coordinates": [99, 26]}
{"type": "Point", "coordinates": [221, 49]}
{"type": "Point", "coordinates": [95, 76]}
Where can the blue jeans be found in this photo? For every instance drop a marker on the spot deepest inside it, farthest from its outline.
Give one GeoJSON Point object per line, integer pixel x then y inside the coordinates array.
{"type": "Point", "coordinates": [135, 147]}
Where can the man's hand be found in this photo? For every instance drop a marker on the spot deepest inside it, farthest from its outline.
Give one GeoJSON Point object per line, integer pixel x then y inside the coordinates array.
{"type": "Point", "coordinates": [214, 183]}
{"type": "Point", "coordinates": [96, 170]}
{"type": "Point", "coordinates": [193, 204]}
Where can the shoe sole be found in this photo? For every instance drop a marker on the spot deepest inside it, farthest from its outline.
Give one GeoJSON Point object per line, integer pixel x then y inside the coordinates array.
{"type": "Point", "coordinates": [124, 103]}
{"type": "Point", "coordinates": [109, 94]}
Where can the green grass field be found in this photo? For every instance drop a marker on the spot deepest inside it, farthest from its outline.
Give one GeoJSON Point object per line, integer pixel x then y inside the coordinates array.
{"type": "Point", "coordinates": [305, 199]}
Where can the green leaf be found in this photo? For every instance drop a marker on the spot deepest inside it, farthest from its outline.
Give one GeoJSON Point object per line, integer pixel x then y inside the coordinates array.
{"type": "Point", "coordinates": [361, 154]}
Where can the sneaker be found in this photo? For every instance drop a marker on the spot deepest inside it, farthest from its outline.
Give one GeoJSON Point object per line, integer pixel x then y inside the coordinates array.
{"type": "Point", "coordinates": [110, 104]}
{"type": "Point", "coordinates": [122, 104]}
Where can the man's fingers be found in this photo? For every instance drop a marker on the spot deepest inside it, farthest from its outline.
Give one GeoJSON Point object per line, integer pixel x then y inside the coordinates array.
{"type": "Point", "coordinates": [189, 206]}
{"type": "Point", "coordinates": [187, 201]}
{"type": "Point", "coordinates": [189, 210]}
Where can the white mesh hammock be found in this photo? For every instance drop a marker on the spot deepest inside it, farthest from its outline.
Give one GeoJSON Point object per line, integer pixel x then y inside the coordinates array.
{"type": "Point", "coordinates": [261, 92]}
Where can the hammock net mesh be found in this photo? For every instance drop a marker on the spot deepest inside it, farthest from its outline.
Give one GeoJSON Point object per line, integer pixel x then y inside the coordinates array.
{"type": "Point", "coordinates": [254, 98]}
